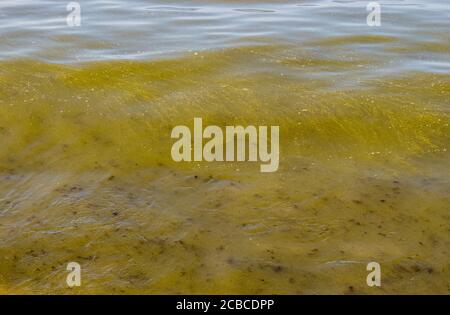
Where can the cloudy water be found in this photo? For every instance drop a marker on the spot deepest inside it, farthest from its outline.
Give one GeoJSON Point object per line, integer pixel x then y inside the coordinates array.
{"type": "Point", "coordinates": [87, 176]}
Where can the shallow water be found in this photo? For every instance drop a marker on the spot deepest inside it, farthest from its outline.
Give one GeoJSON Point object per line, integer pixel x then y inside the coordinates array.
{"type": "Point", "coordinates": [86, 172]}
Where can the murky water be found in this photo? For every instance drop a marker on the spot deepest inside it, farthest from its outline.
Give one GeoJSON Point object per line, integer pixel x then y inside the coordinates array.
{"type": "Point", "coordinates": [86, 173]}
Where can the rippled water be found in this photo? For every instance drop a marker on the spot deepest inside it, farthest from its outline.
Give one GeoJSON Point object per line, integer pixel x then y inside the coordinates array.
{"type": "Point", "coordinates": [416, 31]}
{"type": "Point", "coordinates": [86, 173]}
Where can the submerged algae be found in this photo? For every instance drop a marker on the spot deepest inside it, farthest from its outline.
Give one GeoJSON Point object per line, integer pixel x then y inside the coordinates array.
{"type": "Point", "coordinates": [87, 176]}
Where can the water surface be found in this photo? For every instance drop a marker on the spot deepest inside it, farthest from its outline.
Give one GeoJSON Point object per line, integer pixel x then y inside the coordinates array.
{"type": "Point", "coordinates": [86, 173]}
